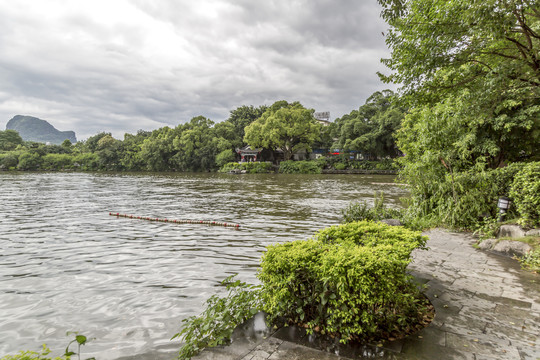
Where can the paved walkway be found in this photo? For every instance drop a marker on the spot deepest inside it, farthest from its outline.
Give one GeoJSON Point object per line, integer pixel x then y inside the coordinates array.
{"type": "Point", "coordinates": [486, 308]}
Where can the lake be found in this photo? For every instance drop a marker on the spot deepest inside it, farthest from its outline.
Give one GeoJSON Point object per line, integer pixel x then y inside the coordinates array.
{"type": "Point", "coordinates": [67, 265]}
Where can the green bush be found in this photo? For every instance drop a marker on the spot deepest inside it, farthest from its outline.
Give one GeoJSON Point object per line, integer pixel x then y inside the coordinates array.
{"type": "Point", "coordinates": [459, 200]}
{"type": "Point", "coordinates": [385, 164]}
{"type": "Point", "coordinates": [250, 167]}
{"type": "Point", "coordinates": [348, 281]}
{"type": "Point", "coordinates": [86, 161]}
{"type": "Point", "coordinates": [300, 167]}
{"type": "Point", "coordinates": [531, 260]}
{"type": "Point", "coordinates": [361, 211]}
{"type": "Point", "coordinates": [8, 161]}
{"type": "Point", "coordinates": [224, 157]}
{"type": "Point", "coordinates": [29, 161]}
{"type": "Point", "coordinates": [57, 161]}
{"type": "Point", "coordinates": [340, 166]}
{"type": "Point", "coordinates": [525, 192]}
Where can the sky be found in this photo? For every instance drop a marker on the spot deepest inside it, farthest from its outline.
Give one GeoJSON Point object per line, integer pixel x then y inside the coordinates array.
{"type": "Point", "coordinates": [123, 65]}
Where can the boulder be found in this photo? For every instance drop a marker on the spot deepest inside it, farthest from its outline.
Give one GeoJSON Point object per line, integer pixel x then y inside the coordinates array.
{"type": "Point", "coordinates": [512, 248]}
{"type": "Point", "coordinates": [533, 232]}
{"type": "Point", "coordinates": [513, 231]}
{"type": "Point", "coordinates": [487, 244]}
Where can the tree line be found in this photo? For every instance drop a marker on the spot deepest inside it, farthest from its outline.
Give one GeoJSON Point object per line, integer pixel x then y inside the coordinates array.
{"type": "Point", "coordinates": [203, 145]}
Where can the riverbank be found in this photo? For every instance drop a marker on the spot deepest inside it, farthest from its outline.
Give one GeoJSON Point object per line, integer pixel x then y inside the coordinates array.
{"type": "Point", "coordinates": [486, 306]}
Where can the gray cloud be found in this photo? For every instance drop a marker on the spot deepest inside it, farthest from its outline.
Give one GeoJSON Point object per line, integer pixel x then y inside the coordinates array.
{"type": "Point", "coordinates": [143, 64]}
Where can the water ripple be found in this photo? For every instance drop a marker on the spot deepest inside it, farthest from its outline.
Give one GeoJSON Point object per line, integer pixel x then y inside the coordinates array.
{"type": "Point", "coordinates": [66, 265]}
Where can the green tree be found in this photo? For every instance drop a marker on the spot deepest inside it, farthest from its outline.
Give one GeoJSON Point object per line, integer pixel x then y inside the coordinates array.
{"type": "Point", "coordinates": [91, 144]}
{"type": "Point", "coordinates": [109, 152]}
{"type": "Point", "coordinates": [470, 75]}
{"type": "Point", "coordinates": [197, 146]}
{"type": "Point", "coordinates": [370, 129]}
{"type": "Point", "coordinates": [132, 144]}
{"type": "Point", "coordinates": [284, 126]}
{"type": "Point", "coordinates": [9, 140]}
{"type": "Point", "coordinates": [157, 150]}
{"type": "Point", "coordinates": [486, 54]}
{"type": "Point", "coordinates": [240, 118]}
{"type": "Point", "coordinates": [470, 40]}
{"type": "Point", "coordinates": [29, 161]}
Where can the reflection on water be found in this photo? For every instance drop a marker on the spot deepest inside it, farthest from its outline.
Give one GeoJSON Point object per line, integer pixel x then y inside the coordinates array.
{"type": "Point", "coordinates": [66, 265]}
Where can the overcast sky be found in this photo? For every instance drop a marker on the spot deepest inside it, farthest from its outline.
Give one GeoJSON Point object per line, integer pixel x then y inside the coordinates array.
{"type": "Point", "coordinates": [123, 65]}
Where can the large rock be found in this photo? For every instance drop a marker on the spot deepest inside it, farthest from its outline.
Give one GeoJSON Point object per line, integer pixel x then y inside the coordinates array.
{"type": "Point", "coordinates": [513, 231]}
{"type": "Point", "coordinates": [533, 232]}
{"type": "Point", "coordinates": [34, 129]}
{"type": "Point", "coordinates": [487, 244]}
{"type": "Point", "coordinates": [512, 248]}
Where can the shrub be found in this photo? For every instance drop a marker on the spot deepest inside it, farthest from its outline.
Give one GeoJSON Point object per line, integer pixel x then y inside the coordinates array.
{"type": "Point", "coordinates": [531, 260]}
{"type": "Point", "coordinates": [340, 166]}
{"type": "Point", "coordinates": [45, 351]}
{"type": "Point", "coordinates": [224, 157]}
{"type": "Point", "coordinates": [361, 211]}
{"type": "Point", "coordinates": [385, 164]}
{"type": "Point", "coordinates": [57, 161]}
{"type": "Point", "coordinates": [8, 161]}
{"type": "Point", "coordinates": [348, 281]}
{"type": "Point", "coordinates": [461, 200]}
{"type": "Point", "coordinates": [525, 191]}
{"type": "Point", "coordinates": [86, 161]}
{"type": "Point", "coordinates": [249, 167]}
{"type": "Point", "coordinates": [29, 161]}
{"type": "Point", "coordinates": [300, 167]}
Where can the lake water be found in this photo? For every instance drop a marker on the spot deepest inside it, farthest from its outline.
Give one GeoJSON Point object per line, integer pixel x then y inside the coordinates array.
{"type": "Point", "coordinates": [66, 265]}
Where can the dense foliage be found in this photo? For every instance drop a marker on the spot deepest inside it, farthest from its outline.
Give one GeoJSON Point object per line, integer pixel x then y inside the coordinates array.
{"type": "Point", "coordinates": [531, 260]}
{"type": "Point", "coordinates": [525, 192]}
{"type": "Point", "coordinates": [300, 167]}
{"type": "Point", "coordinates": [248, 167]}
{"type": "Point", "coordinates": [9, 140]}
{"type": "Point", "coordinates": [287, 127]}
{"type": "Point", "coordinates": [198, 145]}
{"type": "Point", "coordinates": [470, 76]}
{"type": "Point", "coordinates": [370, 129]}
{"type": "Point", "coordinates": [358, 211]}
{"type": "Point", "coordinates": [348, 281]}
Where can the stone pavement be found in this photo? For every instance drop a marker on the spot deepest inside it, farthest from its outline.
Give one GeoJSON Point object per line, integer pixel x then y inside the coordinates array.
{"type": "Point", "coordinates": [486, 308]}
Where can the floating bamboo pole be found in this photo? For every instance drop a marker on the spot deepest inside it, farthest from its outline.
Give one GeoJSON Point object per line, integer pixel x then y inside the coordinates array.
{"type": "Point", "coordinates": [204, 222]}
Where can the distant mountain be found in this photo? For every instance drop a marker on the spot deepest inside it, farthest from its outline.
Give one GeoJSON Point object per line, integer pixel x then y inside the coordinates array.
{"type": "Point", "coordinates": [34, 129]}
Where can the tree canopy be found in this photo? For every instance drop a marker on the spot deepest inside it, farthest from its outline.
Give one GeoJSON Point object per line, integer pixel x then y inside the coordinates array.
{"type": "Point", "coordinates": [469, 73]}
{"type": "Point", "coordinates": [449, 44]}
{"type": "Point", "coordinates": [473, 63]}
{"type": "Point", "coordinates": [287, 127]}
{"type": "Point", "coordinates": [370, 129]}
{"type": "Point", "coordinates": [9, 139]}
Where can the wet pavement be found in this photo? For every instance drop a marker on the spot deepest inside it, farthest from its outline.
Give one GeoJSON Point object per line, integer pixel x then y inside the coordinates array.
{"type": "Point", "coordinates": [486, 308]}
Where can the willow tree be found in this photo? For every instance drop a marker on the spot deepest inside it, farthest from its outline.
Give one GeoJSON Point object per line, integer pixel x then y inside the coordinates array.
{"type": "Point", "coordinates": [287, 127]}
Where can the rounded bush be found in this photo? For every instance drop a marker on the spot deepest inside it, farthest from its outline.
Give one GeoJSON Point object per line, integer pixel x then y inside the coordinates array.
{"type": "Point", "coordinates": [349, 281]}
